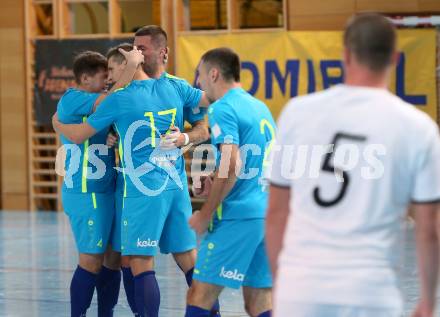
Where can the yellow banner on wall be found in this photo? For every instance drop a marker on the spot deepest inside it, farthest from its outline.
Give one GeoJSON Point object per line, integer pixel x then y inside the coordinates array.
{"type": "Point", "coordinates": [277, 66]}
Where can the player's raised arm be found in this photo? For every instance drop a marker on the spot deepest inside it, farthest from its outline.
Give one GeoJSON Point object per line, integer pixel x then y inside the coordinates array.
{"type": "Point", "coordinates": [76, 133]}
{"type": "Point", "coordinates": [133, 59]}
{"type": "Point", "coordinates": [224, 180]}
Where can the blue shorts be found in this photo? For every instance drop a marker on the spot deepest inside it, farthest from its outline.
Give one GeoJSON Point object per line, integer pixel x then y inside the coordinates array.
{"type": "Point", "coordinates": [149, 222]}
{"type": "Point", "coordinates": [91, 216]}
{"type": "Point", "coordinates": [115, 236]}
{"type": "Point", "coordinates": [233, 254]}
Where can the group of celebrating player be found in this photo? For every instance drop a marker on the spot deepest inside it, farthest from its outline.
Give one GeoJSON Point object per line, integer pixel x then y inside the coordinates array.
{"type": "Point", "coordinates": [152, 208]}
{"type": "Point", "coordinates": [339, 236]}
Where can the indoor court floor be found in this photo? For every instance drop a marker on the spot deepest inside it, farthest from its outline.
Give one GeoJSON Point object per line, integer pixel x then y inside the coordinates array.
{"type": "Point", "coordinates": [38, 255]}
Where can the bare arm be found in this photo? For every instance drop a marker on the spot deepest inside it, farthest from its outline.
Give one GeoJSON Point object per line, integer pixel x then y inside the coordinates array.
{"type": "Point", "coordinates": [224, 181]}
{"type": "Point", "coordinates": [199, 132]}
{"type": "Point", "coordinates": [276, 221]}
{"type": "Point", "coordinates": [427, 242]}
{"type": "Point", "coordinates": [76, 133]}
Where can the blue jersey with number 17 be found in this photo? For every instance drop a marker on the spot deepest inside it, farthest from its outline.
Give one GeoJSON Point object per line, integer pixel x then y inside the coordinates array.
{"type": "Point", "coordinates": [141, 113]}
{"type": "Point", "coordinates": [239, 118]}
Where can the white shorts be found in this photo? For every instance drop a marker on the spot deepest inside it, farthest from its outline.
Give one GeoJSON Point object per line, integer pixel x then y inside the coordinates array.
{"type": "Point", "coordinates": [297, 309]}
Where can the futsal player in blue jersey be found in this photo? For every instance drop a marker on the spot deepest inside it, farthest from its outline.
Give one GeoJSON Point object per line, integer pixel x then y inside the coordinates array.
{"type": "Point", "coordinates": [198, 133]}
{"type": "Point", "coordinates": [233, 254]}
{"type": "Point", "coordinates": [87, 189]}
{"type": "Point", "coordinates": [112, 140]}
{"type": "Point", "coordinates": [156, 204]}
{"type": "Point", "coordinates": [151, 40]}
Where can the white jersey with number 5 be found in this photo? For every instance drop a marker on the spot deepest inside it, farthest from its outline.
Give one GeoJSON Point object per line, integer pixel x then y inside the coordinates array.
{"type": "Point", "coordinates": [348, 200]}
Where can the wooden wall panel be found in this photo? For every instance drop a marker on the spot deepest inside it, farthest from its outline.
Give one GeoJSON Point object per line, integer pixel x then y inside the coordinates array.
{"type": "Point", "coordinates": [319, 7]}
{"type": "Point", "coordinates": [438, 78]}
{"type": "Point", "coordinates": [167, 24]}
{"type": "Point", "coordinates": [332, 15]}
{"type": "Point", "coordinates": [19, 202]}
{"type": "Point", "coordinates": [385, 6]}
{"type": "Point", "coordinates": [13, 135]}
{"type": "Point", "coordinates": [429, 6]}
{"type": "Point", "coordinates": [319, 15]}
{"type": "Point", "coordinates": [11, 14]}
{"type": "Point", "coordinates": [318, 22]}
{"type": "Point", "coordinates": [203, 13]}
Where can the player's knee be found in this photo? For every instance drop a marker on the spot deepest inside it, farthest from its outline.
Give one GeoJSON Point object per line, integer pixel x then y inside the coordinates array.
{"type": "Point", "coordinates": [91, 262]}
{"type": "Point", "coordinates": [254, 310]}
{"type": "Point", "coordinates": [258, 302]}
{"type": "Point", "coordinates": [196, 294]}
{"type": "Point", "coordinates": [112, 260]}
{"type": "Point", "coordinates": [203, 295]}
{"type": "Point", "coordinates": [190, 295]}
{"type": "Point", "coordinates": [125, 261]}
{"type": "Point", "coordinates": [140, 264]}
{"type": "Point", "coordinates": [249, 309]}
{"type": "Point", "coordinates": [186, 260]}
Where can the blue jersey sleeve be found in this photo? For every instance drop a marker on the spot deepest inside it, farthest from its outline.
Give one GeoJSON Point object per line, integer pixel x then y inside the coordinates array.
{"type": "Point", "coordinates": [105, 114]}
{"type": "Point", "coordinates": [224, 124]}
{"type": "Point", "coordinates": [191, 96]}
{"type": "Point", "coordinates": [194, 115]}
{"type": "Point", "coordinates": [75, 104]}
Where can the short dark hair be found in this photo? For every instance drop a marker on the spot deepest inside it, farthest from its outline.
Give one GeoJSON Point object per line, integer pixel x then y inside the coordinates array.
{"type": "Point", "coordinates": [372, 39]}
{"type": "Point", "coordinates": [116, 55]}
{"type": "Point", "coordinates": [158, 35]}
{"type": "Point", "coordinates": [226, 60]}
{"type": "Point", "coordinates": [88, 62]}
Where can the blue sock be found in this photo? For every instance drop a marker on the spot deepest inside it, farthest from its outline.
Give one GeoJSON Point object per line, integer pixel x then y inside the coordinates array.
{"type": "Point", "coordinates": [194, 311]}
{"type": "Point", "coordinates": [129, 288]}
{"type": "Point", "coordinates": [107, 286]}
{"type": "Point", "coordinates": [147, 294]}
{"type": "Point", "coordinates": [215, 310]}
{"type": "Point", "coordinates": [81, 291]}
{"type": "Point", "coordinates": [266, 314]}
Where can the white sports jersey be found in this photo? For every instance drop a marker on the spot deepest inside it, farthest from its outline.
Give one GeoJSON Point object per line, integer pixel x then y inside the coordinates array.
{"type": "Point", "coordinates": [343, 236]}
